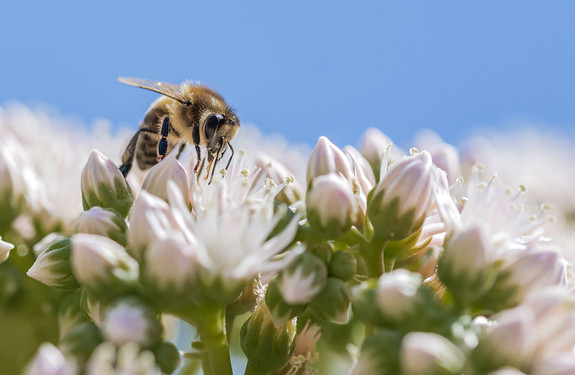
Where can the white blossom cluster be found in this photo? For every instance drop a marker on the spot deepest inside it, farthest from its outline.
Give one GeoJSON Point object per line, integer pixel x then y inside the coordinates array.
{"type": "Point", "coordinates": [394, 262]}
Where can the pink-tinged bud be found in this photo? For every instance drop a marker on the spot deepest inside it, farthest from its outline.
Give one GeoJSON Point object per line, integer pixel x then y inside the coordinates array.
{"type": "Point", "coordinates": [554, 311]}
{"type": "Point", "coordinates": [5, 248]}
{"type": "Point", "coordinates": [171, 268]}
{"type": "Point", "coordinates": [53, 268]}
{"type": "Point", "coordinates": [375, 147]}
{"type": "Point", "coordinates": [510, 341]}
{"type": "Point", "coordinates": [332, 304]}
{"type": "Point", "coordinates": [403, 197]}
{"type": "Point", "coordinates": [465, 267]}
{"type": "Point", "coordinates": [49, 360]}
{"type": "Point", "coordinates": [530, 271]}
{"type": "Point", "coordinates": [331, 205]}
{"type": "Point", "coordinates": [396, 294]}
{"type": "Point", "coordinates": [426, 353]}
{"type": "Point", "coordinates": [150, 218]}
{"type": "Point", "coordinates": [131, 321]}
{"type": "Point", "coordinates": [101, 265]}
{"type": "Point", "coordinates": [170, 169]}
{"type": "Point", "coordinates": [103, 222]}
{"type": "Point", "coordinates": [302, 280]}
{"type": "Point", "coordinates": [560, 365]}
{"type": "Point", "coordinates": [104, 185]}
{"type": "Point", "coordinates": [327, 158]}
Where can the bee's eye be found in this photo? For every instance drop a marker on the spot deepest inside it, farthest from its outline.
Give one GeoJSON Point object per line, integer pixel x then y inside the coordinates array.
{"type": "Point", "coordinates": [212, 123]}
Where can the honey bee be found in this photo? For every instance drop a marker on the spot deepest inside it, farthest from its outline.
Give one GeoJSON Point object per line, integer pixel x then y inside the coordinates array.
{"type": "Point", "coordinates": [186, 113]}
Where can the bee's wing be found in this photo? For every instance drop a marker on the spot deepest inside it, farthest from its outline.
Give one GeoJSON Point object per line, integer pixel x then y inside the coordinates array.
{"type": "Point", "coordinates": [168, 89]}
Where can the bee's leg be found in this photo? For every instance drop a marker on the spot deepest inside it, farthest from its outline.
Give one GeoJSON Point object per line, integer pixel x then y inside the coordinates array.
{"type": "Point", "coordinates": [163, 143]}
{"type": "Point", "coordinates": [130, 152]}
{"type": "Point", "coordinates": [196, 139]}
{"type": "Point", "coordinates": [181, 149]}
{"type": "Point", "coordinates": [201, 168]}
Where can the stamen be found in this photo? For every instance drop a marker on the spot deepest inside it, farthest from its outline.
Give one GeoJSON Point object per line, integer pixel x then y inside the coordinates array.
{"type": "Point", "coordinates": [460, 180]}
{"type": "Point", "coordinates": [413, 151]}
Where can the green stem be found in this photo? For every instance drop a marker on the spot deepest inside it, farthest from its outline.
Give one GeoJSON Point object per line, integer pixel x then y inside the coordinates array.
{"type": "Point", "coordinates": [213, 335]}
{"type": "Point", "coordinates": [373, 254]}
{"type": "Point", "coordinates": [190, 367]}
{"type": "Point", "coordinates": [252, 369]}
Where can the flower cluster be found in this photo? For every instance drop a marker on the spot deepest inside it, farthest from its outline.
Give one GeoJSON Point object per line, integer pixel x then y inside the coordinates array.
{"type": "Point", "coordinates": [352, 261]}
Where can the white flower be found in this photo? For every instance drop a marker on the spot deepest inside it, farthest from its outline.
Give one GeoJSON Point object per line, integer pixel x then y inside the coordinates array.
{"type": "Point", "coordinates": [426, 353]}
{"type": "Point", "coordinates": [49, 360]}
{"type": "Point", "coordinates": [235, 245]}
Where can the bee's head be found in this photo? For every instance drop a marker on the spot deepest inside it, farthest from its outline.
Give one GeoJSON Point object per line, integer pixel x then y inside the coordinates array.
{"type": "Point", "coordinates": [218, 130]}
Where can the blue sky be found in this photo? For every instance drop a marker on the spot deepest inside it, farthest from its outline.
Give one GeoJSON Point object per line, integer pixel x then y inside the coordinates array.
{"type": "Point", "coordinates": [302, 68]}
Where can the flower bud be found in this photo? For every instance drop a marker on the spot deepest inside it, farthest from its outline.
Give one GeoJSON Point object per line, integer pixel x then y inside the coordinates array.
{"type": "Point", "coordinates": [49, 360]}
{"type": "Point", "coordinates": [302, 280]}
{"type": "Point", "coordinates": [331, 205]}
{"type": "Point", "coordinates": [400, 201]}
{"type": "Point", "coordinates": [560, 365]}
{"type": "Point", "coordinates": [426, 353]}
{"type": "Point", "coordinates": [53, 267]}
{"type": "Point", "coordinates": [332, 304]}
{"type": "Point", "coordinates": [101, 265]}
{"type": "Point", "coordinates": [508, 342]}
{"type": "Point", "coordinates": [327, 158]}
{"type": "Point", "coordinates": [342, 265]}
{"type": "Point", "coordinates": [5, 248]}
{"type": "Point", "coordinates": [104, 185]}
{"type": "Point", "coordinates": [103, 222]}
{"type": "Point", "coordinates": [171, 269]}
{"type": "Point", "coordinates": [91, 306]}
{"type": "Point", "coordinates": [129, 320]}
{"type": "Point", "coordinates": [70, 313]}
{"type": "Point", "coordinates": [374, 145]}
{"type": "Point", "coordinates": [150, 218]}
{"type": "Point", "coordinates": [170, 169]}
{"type": "Point", "coordinates": [167, 357]}
{"type": "Point", "coordinates": [371, 361]}
{"type": "Point", "coordinates": [364, 303]}
{"type": "Point", "coordinates": [465, 266]}
{"type": "Point", "coordinates": [280, 310]}
{"type": "Point", "coordinates": [396, 295]}
{"type": "Point", "coordinates": [530, 271]}
{"type": "Point", "coordinates": [267, 347]}
{"type": "Point", "coordinates": [80, 341]}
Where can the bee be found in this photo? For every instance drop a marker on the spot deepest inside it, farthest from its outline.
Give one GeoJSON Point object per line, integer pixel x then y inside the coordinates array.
{"type": "Point", "coordinates": [186, 113]}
